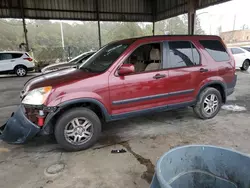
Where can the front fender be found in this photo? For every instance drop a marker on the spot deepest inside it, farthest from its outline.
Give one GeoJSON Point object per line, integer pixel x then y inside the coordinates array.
{"type": "Point", "coordinates": [65, 97]}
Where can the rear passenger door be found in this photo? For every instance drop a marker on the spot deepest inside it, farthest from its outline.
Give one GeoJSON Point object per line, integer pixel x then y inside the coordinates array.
{"type": "Point", "coordinates": [184, 70]}
{"type": "Point", "coordinates": [6, 62]}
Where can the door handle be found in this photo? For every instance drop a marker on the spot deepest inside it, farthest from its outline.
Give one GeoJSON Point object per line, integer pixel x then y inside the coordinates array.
{"type": "Point", "coordinates": [158, 76]}
{"type": "Point", "coordinates": [12, 60]}
{"type": "Point", "coordinates": [203, 70]}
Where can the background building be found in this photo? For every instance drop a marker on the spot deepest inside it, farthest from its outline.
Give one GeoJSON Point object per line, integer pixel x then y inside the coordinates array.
{"type": "Point", "coordinates": [236, 37]}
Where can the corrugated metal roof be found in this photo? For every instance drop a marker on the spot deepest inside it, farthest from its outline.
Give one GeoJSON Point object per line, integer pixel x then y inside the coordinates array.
{"type": "Point", "coordinates": [109, 10]}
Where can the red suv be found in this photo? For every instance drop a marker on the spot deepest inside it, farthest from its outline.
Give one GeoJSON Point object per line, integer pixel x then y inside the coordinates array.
{"type": "Point", "coordinates": [123, 79]}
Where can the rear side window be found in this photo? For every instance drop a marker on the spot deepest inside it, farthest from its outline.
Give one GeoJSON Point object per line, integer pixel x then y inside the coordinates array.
{"type": "Point", "coordinates": [5, 56]}
{"type": "Point", "coordinates": [16, 55]}
{"type": "Point", "coordinates": [236, 51]}
{"type": "Point", "coordinates": [183, 54]}
{"type": "Point", "coordinates": [215, 49]}
{"type": "Point", "coordinates": [246, 48]}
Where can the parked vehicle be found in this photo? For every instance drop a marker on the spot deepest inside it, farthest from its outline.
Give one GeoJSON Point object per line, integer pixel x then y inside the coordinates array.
{"type": "Point", "coordinates": [242, 57]}
{"type": "Point", "coordinates": [73, 63]}
{"type": "Point", "coordinates": [15, 62]}
{"type": "Point", "coordinates": [124, 79]}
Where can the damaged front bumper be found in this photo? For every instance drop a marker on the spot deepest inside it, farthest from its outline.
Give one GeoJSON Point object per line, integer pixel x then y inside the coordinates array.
{"type": "Point", "coordinates": [18, 128]}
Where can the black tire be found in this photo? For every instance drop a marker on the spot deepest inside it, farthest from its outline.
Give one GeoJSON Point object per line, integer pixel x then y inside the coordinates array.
{"type": "Point", "coordinates": [245, 65]}
{"type": "Point", "coordinates": [199, 108]}
{"type": "Point", "coordinates": [66, 118]}
{"type": "Point", "coordinates": [21, 71]}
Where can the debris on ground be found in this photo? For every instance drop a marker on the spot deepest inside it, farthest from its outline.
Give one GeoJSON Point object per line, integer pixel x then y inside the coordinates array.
{"type": "Point", "coordinates": [234, 108]}
{"type": "Point", "coordinates": [118, 151]}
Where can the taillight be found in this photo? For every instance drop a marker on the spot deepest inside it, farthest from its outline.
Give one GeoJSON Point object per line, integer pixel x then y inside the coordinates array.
{"type": "Point", "coordinates": [28, 58]}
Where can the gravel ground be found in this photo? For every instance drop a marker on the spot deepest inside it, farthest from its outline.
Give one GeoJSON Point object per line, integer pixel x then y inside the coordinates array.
{"type": "Point", "coordinates": [41, 163]}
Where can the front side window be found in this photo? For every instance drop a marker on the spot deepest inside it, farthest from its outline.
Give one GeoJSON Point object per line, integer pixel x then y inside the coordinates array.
{"type": "Point", "coordinates": [146, 58]}
{"type": "Point", "coordinates": [236, 51]}
{"type": "Point", "coordinates": [104, 58]}
{"type": "Point", "coordinates": [183, 54]}
{"type": "Point", "coordinates": [215, 49]}
{"type": "Point", "coordinates": [5, 56]}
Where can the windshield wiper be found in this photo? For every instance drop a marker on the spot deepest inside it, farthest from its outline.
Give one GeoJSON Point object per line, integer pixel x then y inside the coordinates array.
{"type": "Point", "coordinates": [85, 69]}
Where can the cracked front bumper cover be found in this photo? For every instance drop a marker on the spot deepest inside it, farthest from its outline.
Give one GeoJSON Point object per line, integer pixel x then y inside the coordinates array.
{"type": "Point", "coordinates": [18, 128]}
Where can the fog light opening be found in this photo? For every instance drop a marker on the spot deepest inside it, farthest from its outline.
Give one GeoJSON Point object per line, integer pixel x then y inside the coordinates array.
{"type": "Point", "coordinates": [40, 118]}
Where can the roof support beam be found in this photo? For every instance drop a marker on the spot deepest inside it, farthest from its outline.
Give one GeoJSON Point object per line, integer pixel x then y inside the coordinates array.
{"type": "Point", "coordinates": [192, 6]}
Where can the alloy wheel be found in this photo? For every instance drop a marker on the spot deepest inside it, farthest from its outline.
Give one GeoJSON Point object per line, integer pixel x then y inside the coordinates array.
{"type": "Point", "coordinates": [78, 131]}
{"type": "Point", "coordinates": [210, 104]}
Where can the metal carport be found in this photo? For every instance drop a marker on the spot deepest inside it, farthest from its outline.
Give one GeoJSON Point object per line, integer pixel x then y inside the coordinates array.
{"type": "Point", "coordinates": [103, 10]}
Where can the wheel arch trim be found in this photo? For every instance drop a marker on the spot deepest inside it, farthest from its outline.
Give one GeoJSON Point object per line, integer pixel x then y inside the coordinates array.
{"type": "Point", "coordinates": [212, 83]}
{"type": "Point", "coordinates": [63, 105]}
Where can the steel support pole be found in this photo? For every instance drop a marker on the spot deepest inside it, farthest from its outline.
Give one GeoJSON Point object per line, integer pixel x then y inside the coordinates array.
{"type": "Point", "coordinates": [153, 31]}
{"type": "Point", "coordinates": [192, 4]}
{"type": "Point", "coordinates": [99, 34]}
{"type": "Point", "coordinates": [24, 27]}
{"type": "Point", "coordinates": [153, 5]}
{"type": "Point", "coordinates": [98, 23]}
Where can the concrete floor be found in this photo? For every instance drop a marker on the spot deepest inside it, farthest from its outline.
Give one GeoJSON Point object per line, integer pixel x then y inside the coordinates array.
{"type": "Point", "coordinates": [41, 163]}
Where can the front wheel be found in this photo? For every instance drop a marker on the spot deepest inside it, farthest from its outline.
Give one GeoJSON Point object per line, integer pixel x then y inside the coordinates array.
{"type": "Point", "coordinates": [208, 104]}
{"type": "Point", "coordinates": [77, 129]}
{"type": "Point", "coordinates": [245, 65]}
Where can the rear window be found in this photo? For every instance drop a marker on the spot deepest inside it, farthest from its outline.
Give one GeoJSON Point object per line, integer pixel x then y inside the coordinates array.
{"type": "Point", "coordinates": [246, 48]}
{"type": "Point", "coordinates": [215, 49]}
{"type": "Point", "coordinates": [16, 55]}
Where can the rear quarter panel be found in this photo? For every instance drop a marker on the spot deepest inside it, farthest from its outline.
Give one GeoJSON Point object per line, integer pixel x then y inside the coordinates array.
{"type": "Point", "coordinates": [223, 72]}
{"type": "Point", "coordinates": [25, 63]}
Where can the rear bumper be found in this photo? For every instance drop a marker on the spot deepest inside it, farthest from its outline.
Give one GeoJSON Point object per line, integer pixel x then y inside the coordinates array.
{"type": "Point", "coordinates": [231, 86]}
{"type": "Point", "coordinates": [18, 129]}
{"type": "Point", "coordinates": [31, 68]}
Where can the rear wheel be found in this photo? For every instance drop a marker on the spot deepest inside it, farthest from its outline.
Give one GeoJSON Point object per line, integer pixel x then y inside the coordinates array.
{"type": "Point", "coordinates": [21, 71]}
{"type": "Point", "coordinates": [208, 104]}
{"type": "Point", "coordinates": [77, 129]}
{"type": "Point", "coordinates": [245, 65]}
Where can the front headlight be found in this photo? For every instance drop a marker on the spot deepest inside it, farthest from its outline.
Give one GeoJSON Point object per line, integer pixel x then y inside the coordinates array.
{"type": "Point", "coordinates": [37, 96]}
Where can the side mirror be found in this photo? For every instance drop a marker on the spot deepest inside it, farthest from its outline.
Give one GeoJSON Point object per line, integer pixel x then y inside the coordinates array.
{"type": "Point", "coordinates": [126, 69]}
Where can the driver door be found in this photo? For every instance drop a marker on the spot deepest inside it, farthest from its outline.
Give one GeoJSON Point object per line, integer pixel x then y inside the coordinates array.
{"type": "Point", "coordinates": [140, 91]}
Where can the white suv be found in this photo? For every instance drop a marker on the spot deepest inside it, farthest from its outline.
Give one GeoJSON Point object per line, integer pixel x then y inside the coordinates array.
{"type": "Point", "coordinates": [18, 63]}
{"type": "Point", "coordinates": [241, 56]}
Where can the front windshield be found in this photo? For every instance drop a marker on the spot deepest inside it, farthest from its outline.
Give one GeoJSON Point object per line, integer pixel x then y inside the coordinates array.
{"type": "Point", "coordinates": [104, 58]}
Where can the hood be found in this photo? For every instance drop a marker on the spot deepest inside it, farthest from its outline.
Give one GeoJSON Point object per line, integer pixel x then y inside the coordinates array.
{"type": "Point", "coordinates": [56, 78]}
{"type": "Point", "coordinates": [56, 66]}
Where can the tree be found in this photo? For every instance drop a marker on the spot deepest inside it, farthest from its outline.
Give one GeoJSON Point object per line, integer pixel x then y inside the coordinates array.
{"type": "Point", "coordinates": [44, 36]}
